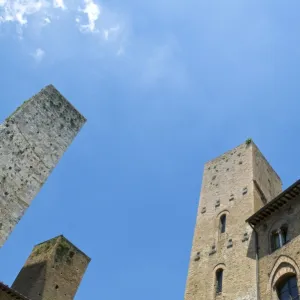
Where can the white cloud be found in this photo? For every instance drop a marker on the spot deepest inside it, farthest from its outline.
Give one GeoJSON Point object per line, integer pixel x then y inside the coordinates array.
{"type": "Point", "coordinates": [38, 55]}
{"type": "Point", "coordinates": [110, 31]}
{"type": "Point", "coordinates": [47, 21]}
{"type": "Point", "coordinates": [59, 4]}
{"type": "Point", "coordinates": [92, 10]}
{"type": "Point", "coordinates": [19, 10]}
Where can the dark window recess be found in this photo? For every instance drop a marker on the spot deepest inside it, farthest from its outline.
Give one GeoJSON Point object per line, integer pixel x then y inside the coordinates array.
{"type": "Point", "coordinates": [287, 289]}
{"type": "Point", "coordinates": [230, 244]}
{"type": "Point", "coordinates": [197, 257]}
{"type": "Point", "coordinates": [279, 237]}
{"type": "Point", "coordinates": [219, 281]}
{"type": "Point", "coordinates": [222, 223]}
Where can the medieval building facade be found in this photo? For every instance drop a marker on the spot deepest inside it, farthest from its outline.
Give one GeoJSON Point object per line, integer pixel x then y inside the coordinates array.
{"type": "Point", "coordinates": [32, 141]}
{"type": "Point", "coordinates": [246, 242]}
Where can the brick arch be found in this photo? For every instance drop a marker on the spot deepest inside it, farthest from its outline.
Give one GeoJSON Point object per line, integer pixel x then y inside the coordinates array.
{"type": "Point", "coordinates": [283, 266]}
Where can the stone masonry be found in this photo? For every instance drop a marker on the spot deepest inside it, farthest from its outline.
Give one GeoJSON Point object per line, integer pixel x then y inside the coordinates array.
{"type": "Point", "coordinates": [32, 140]}
{"type": "Point", "coordinates": [236, 185]}
{"type": "Point", "coordinates": [53, 271]}
{"type": "Point", "coordinates": [276, 264]}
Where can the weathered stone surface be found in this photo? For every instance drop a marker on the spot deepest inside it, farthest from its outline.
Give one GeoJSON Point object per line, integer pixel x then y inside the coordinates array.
{"type": "Point", "coordinates": [32, 140]}
{"type": "Point", "coordinates": [274, 265]}
{"type": "Point", "coordinates": [53, 271]}
{"type": "Point", "coordinates": [230, 179]}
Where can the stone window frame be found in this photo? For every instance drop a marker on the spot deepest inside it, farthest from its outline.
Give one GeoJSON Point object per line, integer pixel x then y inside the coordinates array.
{"type": "Point", "coordinates": [281, 229]}
{"type": "Point", "coordinates": [284, 266]}
{"type": "Point", "coordinates": [278, 237]}
{"type": "Point", "coordinates": [221, 235]}
{"type": "Point", "coordinates": [217, 268]}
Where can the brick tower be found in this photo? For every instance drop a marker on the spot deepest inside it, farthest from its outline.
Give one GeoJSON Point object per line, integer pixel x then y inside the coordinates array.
{"type": "Point", "coordinates": [53, 271]}
{"type": "Point", "coordinates": [223, 263]}
{"type": "Point", "coordinates": [32, 140]}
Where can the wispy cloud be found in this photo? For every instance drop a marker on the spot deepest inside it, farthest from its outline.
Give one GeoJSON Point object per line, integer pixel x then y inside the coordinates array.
{"type": "Point", "coordinates": [92, 10]}
{"type": "Point", "coordinates": [85, 14]}
{"type": "Point", "coordinates": [19, 10]}
{"type": "Point", "coordinates": [55, 25]}
{"type": "Point", "coordinates": [38, 55]}
{"type": "Point", "coordinates": [59, 4]}
{"type": "Point", "coordinates": [110, 31]}
{"type": "Point", "coordinates": [162, 65]}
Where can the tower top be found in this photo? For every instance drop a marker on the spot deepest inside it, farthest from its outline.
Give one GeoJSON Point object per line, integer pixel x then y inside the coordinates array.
{"type": "Point", "coordinates": [61, 240]}
{"type": "Point", "coordinates": [53, 271]}
{"type": "Point", "coordinates": [248, 143]}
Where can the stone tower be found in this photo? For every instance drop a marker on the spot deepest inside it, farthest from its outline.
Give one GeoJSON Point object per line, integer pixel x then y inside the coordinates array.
{"type": "Point", "coordinates": [53, 271]}
{"type": "Point", "coordinates": [32, 140]}
{"type": "Point", "coordinates": [223, 262]}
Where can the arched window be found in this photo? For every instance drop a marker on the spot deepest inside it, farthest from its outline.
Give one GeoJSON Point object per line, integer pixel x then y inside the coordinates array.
{"type": "Point", "coordinates": [223, 223]}
{"type": "Point", "coordinates": [279, 237]}
{"type": "Point", "coordinates": [219, 281]}
{"type": "Point", "coordinates": [287, 288]}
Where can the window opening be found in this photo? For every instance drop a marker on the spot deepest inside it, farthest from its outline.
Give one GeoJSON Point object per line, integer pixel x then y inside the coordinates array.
{"type": "Point", "coordinates": [219, 281]}
{"type": "Point", "coordinates": [288, 289]}
{"type": "Point", "coordinates": [223, 223]}
{"type": "Point", "coordinates": [279, 237]}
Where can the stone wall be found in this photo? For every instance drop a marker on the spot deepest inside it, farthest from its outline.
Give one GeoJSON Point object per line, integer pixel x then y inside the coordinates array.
{"type": "Point", "coordinates": [32, 140]}
{"type": "Point", "coordinates": [53, 271]}
{"type": "Point", "coordinates": [273, 265]}
{"type": "Point", "coordinates": [228, 188]}
{"type": "Point", "coordinates": [6, 293]}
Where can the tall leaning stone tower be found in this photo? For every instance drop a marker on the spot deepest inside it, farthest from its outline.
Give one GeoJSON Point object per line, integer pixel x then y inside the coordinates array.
{"type": "Point", "coordinates": [223, 263]}
{"type": "Point", "coordinates": [32, 141]}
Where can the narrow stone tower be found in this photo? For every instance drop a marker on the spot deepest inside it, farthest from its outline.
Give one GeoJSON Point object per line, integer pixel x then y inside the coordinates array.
{"type": "Point", "coordinates": [32, 140]}
{"type": "Point", "coordinates": [53, 271]}
{"type": "Point", "coordinates": [223, 263]}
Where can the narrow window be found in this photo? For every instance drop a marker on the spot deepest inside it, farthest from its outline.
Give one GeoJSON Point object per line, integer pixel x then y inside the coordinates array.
{"type": "Point", "coordinates": [219, 281]}
{"type": "Point", "coordinates": [222, 223]}
{"type": "Point", "coordinates": [288, 289]}
{"type": "Point", "coordinates": [279, 238]}
{"type": "Point", "coordinates": [275, 240]}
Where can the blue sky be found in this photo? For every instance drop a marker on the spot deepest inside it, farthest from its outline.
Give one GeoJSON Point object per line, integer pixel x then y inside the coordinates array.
{"type": "Point", "coordinates": [165, 86]}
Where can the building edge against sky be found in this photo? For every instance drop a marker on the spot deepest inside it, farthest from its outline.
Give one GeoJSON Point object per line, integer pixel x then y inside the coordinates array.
{"type": "Point", "coordinates": [32, 141]}
{"type": "Point", "coordinates": [226, 261]}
